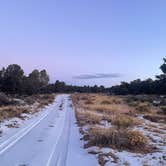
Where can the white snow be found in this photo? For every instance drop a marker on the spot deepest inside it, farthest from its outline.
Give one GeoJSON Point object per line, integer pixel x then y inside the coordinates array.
{"type": "Point", "coordinates": [137, 159]}
{"type": "Point", "coordinates": [77, 155]}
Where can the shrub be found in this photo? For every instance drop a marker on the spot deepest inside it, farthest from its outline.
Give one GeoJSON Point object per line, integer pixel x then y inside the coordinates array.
{"type": "Point", "coordinates": [86, 117]}
{"type": "Point", "coordinates": [107, 117]}
{"type": "Point", "coordinates": [88, 102]}
{"type": "Point", "coordinates": [163, 108]}
{"type": "Point", "coordinates": [29, 100]}
{"type": "Point", "coordinates": [4, 100]}
{"type": "Point", "coordinates": [106, 102]}
{"type": "Point", "coordinates": [123, 121]}
{"type": "Point", "coordinates": [84, 98]}
{"type": "Point", "coordinates": [10, 112]}
{"type": "Point", "coordinates": [136, 138]}
{"type": "Point", "coordinates": [121, 139]}
{"type": "Point", "coordinates": [133, 104]}
{"type": "Point", "coordinates": [143, 107]}
{"type": "Point", "coordinates": [156, 118]}
{"type": "Point", "coordinates": [116, 101]}
{"type": "Point", "coordinates": [103, 136]}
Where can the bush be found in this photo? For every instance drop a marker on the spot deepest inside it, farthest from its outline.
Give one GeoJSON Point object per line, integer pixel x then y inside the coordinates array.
{"type": "Point", "coordinates": [133, 104]}
{"type": "Point", "coordinates": [123, 121]}
{"type": "Point", "coordinates": [86, 117]}
{"type": "Point", "coordinates": [116, 101]}
{"type": "Point", "coordinates": [120, 139]}
{"type": "Point", "coordinates": [106, 102]}
{"type": "Point", "coordinates": [103, 136]}
{"type": "Point", "coordinates": [143, 107]}
{"type": "Point", "coordinates": [156, 118]}
{"type": "Point", "coordinates": [163, 108]}
{"type": "Point", "coordinates": [10, 112]}
{"type": "Point", "coordinates": [4, 100]}
{"type": "Point", "coordinates": [88, 102]}
{"type": "Point", "coordinates": [41, 99]}
{"type": "Point", "coordinates": [136, 138]}
{"type": "Point", "coordinates": [85, 98]}
{"type": "Point", "coordinates": [30, 100]}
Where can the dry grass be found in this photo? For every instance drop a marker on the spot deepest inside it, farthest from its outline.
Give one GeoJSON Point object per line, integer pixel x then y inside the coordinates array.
{"type": "Point", "coordinates": [87, 117]}
{"type": "Point", "coordinates": [143, 107]}
{"type": "Point", "coordinates": [163, 109]}
{"type": "Point", "coordinates": [37, 101]}
{"type": "Point", "coordinates": [108, 109]}
{"type": "Point", "coordinates": [111, 137]}
{"type": "Point", "coordinates": [124, 121]}
{"type": "Point", "coordinates": [12, 111]}
{"type": "Point", "coordinates": [109, 105]}
{"type": "Point", "coordinates": [91, 109]}
{"type": "Point", "coordinates": [106, 102]}
{"type": "Point", "coordinates": [42, 100]}
{"type": "Point", "coordinates": [136, 138]}
{"type": "Point", "coordinates": [155, 118]}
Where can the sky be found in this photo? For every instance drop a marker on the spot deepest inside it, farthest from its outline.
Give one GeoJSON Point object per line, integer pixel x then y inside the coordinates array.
{"type": "Point", "coordinates": [84, 42]}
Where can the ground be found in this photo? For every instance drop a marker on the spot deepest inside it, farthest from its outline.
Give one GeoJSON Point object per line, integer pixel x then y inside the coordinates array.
{"type": "Point", "coordinates": [122, 130]}
{"type": "Point", "coordinates": [85, 130]}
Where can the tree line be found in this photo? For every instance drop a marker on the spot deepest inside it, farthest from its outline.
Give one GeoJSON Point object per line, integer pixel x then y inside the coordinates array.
{"type": "Point", "coordinates": [14, 81]}
{"type": "Point", "coordinates": [148, 86]}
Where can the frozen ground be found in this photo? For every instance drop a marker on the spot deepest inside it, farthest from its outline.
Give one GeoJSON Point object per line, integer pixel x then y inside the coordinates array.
{"type": "Point", "coordinates": [157, 137]}
{"type": "Point", "coordinates": [47, 138]}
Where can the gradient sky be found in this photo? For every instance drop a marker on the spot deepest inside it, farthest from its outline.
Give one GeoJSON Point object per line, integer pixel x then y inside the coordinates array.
{"type": "Point", "coordinates": [74, 40]}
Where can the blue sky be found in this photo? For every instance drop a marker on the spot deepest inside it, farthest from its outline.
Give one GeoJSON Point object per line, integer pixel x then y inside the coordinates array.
{"type": "Point", "coordinates": [73, 39]}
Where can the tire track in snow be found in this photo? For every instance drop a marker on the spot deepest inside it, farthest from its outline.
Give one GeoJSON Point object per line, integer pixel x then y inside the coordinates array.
{"type": "Point", "coordinates": [20, 134]}
{"type": "Point", "coordinates": [22, 149]}
{"type": "Point", "coordinates": [59, 152]}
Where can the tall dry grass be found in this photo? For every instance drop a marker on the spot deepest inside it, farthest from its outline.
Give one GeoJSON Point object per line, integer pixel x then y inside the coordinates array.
{"type": "Point", "coordinates": [31, 104]}
{"type": "Point", "coordinates": [121, 139]}
{"type": "Point", "coordinates": [91, 109]}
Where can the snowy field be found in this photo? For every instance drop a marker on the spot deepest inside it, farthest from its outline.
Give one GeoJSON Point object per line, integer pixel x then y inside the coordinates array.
{"type": "Point", "coordinates": [90, 116]}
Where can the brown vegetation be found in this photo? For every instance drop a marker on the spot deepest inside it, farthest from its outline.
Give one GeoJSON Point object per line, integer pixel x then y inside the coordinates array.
{"type": "Point", "coordinates": [12, 111]}
{"type": "Point", "coordinates": [30, 104]}
{"type": "Point", "coordinates": [121, 139]}
{"type": "Point", "coordinates": [124, 121]}
{"type": "Point", "coordinates": [143, 107]}
{"type": "Point", "coordinates": [87, 117]}
{"type": "Point", "coordinates": [91, 109]}
{"type": "Point", "coordinates": [163, 108]}
{"type": "Point", "coordinates": [120, 123]}
{"type": "Point", "coordinates": [155, 118]}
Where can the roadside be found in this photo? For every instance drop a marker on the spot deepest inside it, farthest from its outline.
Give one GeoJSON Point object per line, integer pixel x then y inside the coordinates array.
{"type": "Point", "coordinates": [115, 130]}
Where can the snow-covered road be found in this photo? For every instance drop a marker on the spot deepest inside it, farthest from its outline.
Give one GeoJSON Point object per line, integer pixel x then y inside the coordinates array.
{"type": "Point", "coordinates": [49, 139]}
